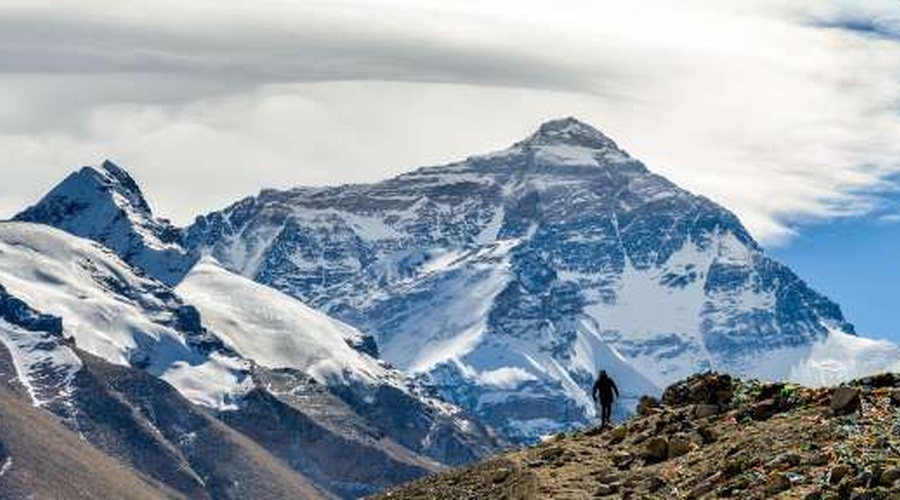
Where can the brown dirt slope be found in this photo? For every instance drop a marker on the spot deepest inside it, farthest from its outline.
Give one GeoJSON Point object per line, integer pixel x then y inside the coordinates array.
{"type": "Point", "coordinates": [41, 459]}
{"type": "Point", "coordinates": [710, 437]}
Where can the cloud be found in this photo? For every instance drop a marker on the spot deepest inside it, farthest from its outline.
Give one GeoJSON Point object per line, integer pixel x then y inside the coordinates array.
{"type": "Point", "coordinates": [874, 18]}
{"type": "Point", "coordinates": [782, 111]}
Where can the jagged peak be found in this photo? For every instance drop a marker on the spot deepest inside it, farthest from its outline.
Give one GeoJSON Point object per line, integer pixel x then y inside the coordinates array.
{"type": "Point", "coordinates": [569, 131]}
{"type": "Point", "coordinates": [92, 186]}
{"type": "Point", "coordinates": [108, 177]}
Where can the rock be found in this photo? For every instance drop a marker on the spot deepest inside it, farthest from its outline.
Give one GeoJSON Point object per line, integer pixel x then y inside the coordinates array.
{"type": "Point", "coordinates": [770, 391]}
{"type": "Point", "coordinates": [606, 489]}
{"type": "Point", "coordinates": [656, 449]}
{"type": "Point", "coordinates": [889, 476]}
{"type": "Point", "coordinates": [618, 434]}
{"type": "Point", "coordinates": [621, 458]}
{"type": "Point", "coordinates": [708, 434]}
{"type": "Point", "coordinates": [818, 460]}
{"type": "Point", "coordinates": [654, 484]}
{"type": "Point", "coordinates": [844, 401]}
{"type": "Point", "coordinates": [763, 410]}
{"type": "Point", "coordinates": [880, 381]}
{"type": "Point", "coordinates": [864, 479]}
{"type": "Point", "coordinates": [608, 477]}
{"type": "Point", "coordinates": [641, 437]}
{"type": "Point", "coordinates": [707, 388]}
{"type": "Point", "coordinates": [839, 472]}
{"type": "Point", "coordinates": [705, 410]}
{"type": "Point", "coordinates": [785, 460]}
{"type": "Point", "coordinates": [188, 319]}
{"type": "Point", "coordinates": [646, 405]}
{"type": "Point", "coordinates": [706, 485]}
{"type": "Point", "coordinates": [777, 483]}
{"type": "Point", "coordinates": [501, 475]}
{"type": "Point", "coordinates": [894, 396]}
{"type": "Point", "coordinates": [679, 445]}
{"type": "Point", "coordinates": [553, 453]}
{"type": "Point", "coordinates": [595, 431]}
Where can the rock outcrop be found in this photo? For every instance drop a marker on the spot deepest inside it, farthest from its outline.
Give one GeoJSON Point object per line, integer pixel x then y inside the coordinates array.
{"type": "Point", "coordinates": [763, 440]}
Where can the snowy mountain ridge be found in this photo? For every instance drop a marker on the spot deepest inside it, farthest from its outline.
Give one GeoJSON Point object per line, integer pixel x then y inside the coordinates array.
{"type": "Point", "coordinates": [244, 351]}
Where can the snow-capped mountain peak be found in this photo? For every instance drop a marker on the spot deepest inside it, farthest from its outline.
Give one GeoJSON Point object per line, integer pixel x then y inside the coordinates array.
{"type": "Point", "coordinates": [120, 181]}
{"type": "Point", "coordinates": [569, 131]}
{"type": "Point", "coordinates": [508, 279]}
{"type": "Point", "coordinates": [105, 204]}
{"type": "Point", "coordinates": [564, 142]}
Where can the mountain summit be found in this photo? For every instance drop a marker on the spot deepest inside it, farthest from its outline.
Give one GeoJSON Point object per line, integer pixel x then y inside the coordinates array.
{"type": "Point", "coordinates": [507, 280]}
{"type": "Point", "coordinates": [569, 131]}
{"type": "Point", "coordinates": [106, 205]}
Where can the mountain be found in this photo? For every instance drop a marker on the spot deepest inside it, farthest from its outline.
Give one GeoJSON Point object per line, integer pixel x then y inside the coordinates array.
{"type": "Point", "coordinates": [106, 205]}
{"type": "Point", "coordinates": [114, 401]}
{"type": "Point", "coordinates": [505, 281]}
{"type": "Point", "coordinates": [280, 333]}
{"type": "Point", "coordinates": [128, 364]}
{"type": "Point", "coordinates": [714, 437]}
{"type": "Point", "coordinates": [33, 445]}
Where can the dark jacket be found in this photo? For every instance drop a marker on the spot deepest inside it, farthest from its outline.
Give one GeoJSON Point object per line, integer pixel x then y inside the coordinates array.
{"type": "Point", "coordinates": [604, 388]}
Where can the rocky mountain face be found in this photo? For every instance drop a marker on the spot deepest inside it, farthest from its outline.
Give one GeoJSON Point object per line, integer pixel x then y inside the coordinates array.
{"type": "Point", "coordinates": [507, 280]}
{"type": "Point", "coordinates": [712, 436]}
{"type": "Point", "coordinates": [123, 361]}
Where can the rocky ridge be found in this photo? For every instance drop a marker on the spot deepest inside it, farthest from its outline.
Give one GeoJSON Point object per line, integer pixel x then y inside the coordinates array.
{"type": "Point", "coordinates": [711, 436]}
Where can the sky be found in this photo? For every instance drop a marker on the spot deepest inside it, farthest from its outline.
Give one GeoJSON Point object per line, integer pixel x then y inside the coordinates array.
{"type": "Point", "coordinates": [785, 111]}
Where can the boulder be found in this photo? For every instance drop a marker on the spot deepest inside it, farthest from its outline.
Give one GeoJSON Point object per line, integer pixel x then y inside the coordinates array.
{"type": "Point", "coordinates": [606, 489]}
{"type": "Point", "coordinates": [646, 405]}
{"type": "Point", "coordinates": [656, 449]}
{"type": "Point", "coordinates": [706, 388]}
{"type": "Point", "coordinates": [705, 410]}
{"type": "Point", "coordinates": [889, 476]}
{"type": "Point", "coordinates": [621, 458]}
{"type": "Point", "coordinates": [679, 445]}
{"type": "Point", "coordinates": [839, 472]}
{"type": "Point", "coordinates": [777, 483]}
{"type": "Point", "coordinates": [763, 410]}
{"type": "Point", "coordinates": [844, 401]}
{"type": "Point", "coordinates": [617, 434]}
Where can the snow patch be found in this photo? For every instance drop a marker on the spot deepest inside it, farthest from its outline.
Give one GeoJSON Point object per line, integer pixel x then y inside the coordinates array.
{"type": "Point", "coordinates": [46, 370]}
{"type": "Point", "coordinates": [506, 377]}
{"type": "Point", "coordinates": [567, 154]}
{"type": "Point", "coordinates": [215, 383]}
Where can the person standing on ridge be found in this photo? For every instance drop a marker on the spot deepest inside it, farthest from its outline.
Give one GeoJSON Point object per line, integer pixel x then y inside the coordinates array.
{"type": "Point", "coordinates": [605, 392]}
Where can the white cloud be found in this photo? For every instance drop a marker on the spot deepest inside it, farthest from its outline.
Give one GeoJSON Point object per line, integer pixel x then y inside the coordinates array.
{"type": "Point", "coordinates": [780, 111]}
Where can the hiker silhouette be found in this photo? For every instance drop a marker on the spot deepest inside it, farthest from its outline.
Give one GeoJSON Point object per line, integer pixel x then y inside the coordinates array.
{"type": "Point", "coordinates": [605, 392]}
